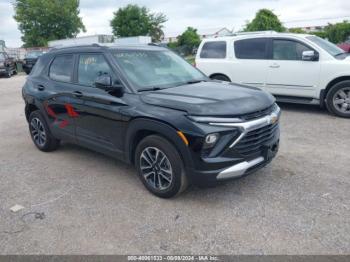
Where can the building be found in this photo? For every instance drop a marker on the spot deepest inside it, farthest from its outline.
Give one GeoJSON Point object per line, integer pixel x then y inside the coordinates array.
{"type": "Point", "coordinates": [82, 40]}
{"type": "Point", "coordinates": [203, 33]}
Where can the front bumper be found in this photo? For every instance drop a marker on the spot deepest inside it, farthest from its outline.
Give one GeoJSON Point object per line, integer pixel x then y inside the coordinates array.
{"type": "Point", "coordinates": [236, 170]}
{"type": "Point", "coordinates": [252, 149]}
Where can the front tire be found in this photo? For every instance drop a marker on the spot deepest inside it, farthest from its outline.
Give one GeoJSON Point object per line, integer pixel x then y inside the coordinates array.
{"type": "Point", "coordinates": [160, 167]}
{"type": "Point", "coordinates": [40, 133]}
{"type": "Point", "coordinates": [338, 99]}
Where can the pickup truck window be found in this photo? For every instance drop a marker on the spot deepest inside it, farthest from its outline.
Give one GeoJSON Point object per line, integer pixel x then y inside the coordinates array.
{"type": "Point", "coordinates": [2, 57]}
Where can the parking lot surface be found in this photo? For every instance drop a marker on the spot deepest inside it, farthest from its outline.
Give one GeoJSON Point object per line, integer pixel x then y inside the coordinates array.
{"type": "Point", "coordinates": [81, 202]}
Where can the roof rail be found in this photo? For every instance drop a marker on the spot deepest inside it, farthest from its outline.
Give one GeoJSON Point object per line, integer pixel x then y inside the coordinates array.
{"type": "Point", "coordinates": [255, 33]}
{"type": "Point", "coordinates": [74, 45]}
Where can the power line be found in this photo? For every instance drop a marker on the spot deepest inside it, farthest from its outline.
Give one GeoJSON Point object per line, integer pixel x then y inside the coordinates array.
{"type": "Point", "coordinates": [315, 19]}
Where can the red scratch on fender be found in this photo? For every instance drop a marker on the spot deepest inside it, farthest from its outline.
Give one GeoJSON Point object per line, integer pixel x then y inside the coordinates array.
{"type": "Point", "coordinates": [64, 123]}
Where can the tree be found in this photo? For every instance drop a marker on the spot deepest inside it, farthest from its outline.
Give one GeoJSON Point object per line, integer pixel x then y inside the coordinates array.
{"type": "Point", "coordinates": [189, 38]}
{"type": "Point", "coordinates": [338, 32]}
{"type": "Point", "coordinates": [134, 20]}
{"type": "Point", "coordinates": [41, 21]}
{"type": "Point", "coordinates": [296, 30]}
{"type": "Point", "coordinates": [264, 20]}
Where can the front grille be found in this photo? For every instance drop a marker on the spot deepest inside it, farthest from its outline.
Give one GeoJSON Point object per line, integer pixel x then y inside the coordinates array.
{"type": "Point", "coordinates": [253, 141]}
{"type": "Point", "coordinates": [260, 113]}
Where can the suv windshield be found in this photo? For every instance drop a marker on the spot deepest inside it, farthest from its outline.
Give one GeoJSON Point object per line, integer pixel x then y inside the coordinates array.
{"type": "Point", "coordinates": [326, 45]}
{"type": "Point", "coordinates": [34, 54]}
{"type": "Point", "coordinates": [156, 68]}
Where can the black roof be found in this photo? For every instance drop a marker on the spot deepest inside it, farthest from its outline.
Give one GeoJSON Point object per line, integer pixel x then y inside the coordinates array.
{"type": "Point", "coordinates": [96, 47]}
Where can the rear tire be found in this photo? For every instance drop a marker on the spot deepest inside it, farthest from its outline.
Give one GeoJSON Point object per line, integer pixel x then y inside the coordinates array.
{"type": "Point", "coordinates": [40, 133]}
{"type": "Point", "coordinates": [160, 167]}
{"type": "Point", "coordinates": [220, 78]}
{"type": "Point", "coordinates": [338, 99]}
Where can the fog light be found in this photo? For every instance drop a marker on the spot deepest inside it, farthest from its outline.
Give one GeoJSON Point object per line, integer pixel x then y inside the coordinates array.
{"type": "Point", "coordinates": [210, 140]}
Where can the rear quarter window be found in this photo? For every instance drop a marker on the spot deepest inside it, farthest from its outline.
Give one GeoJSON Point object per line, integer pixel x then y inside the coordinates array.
{"type": "Point", "coordinates": [215, 49]}
{"type": "Point", "coordinates": [61, 68]}
{"type": "Point", "coordinates": [251, 48]}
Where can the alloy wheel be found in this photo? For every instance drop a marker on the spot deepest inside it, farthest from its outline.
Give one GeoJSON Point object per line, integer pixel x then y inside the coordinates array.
{"type": "Point", "coordinates": [156, 168]}
{"type": "Point", "coordinates": [341, 100]}
{"type": "Point", "coordinates": [38, 131]}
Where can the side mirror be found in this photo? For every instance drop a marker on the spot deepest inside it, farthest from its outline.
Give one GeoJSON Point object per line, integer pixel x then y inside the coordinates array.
{"type": "Point", "coordinates": [309, 56]}
{"type": "Point", "coordinates": [105, 83]}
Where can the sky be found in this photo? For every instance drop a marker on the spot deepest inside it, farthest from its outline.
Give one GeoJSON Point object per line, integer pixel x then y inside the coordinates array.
{"type": "Point", "coordinates": [201, 14]}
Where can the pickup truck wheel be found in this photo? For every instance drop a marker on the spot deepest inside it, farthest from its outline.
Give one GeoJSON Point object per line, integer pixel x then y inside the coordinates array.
{"type": "Point", "coordinates": [160, 167]}
{"type": "Point", "coordinates": [338, 99]}
{"type": "Point", "coordinates": [41, 134]}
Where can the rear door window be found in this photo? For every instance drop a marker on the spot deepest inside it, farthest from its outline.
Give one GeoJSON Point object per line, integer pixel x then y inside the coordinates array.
{"type": "Point", "coordinates": [215, 49]}
{"type": "Point", "coordinates": [251, 48]}
{"type": "Point", "coordinates": [61, 68]}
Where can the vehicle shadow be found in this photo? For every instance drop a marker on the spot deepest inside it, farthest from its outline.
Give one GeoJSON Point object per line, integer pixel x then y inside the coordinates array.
{"type": "Point", "coordinates": [310, 109]}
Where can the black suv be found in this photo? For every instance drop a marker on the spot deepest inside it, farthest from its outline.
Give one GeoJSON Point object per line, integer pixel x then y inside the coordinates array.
{"type": "Point", "coordinates": [30, 60]}
{"type": "Point", "coordinates": [147, 106]}
{"type": "Point", "coordinates": [7, 65]}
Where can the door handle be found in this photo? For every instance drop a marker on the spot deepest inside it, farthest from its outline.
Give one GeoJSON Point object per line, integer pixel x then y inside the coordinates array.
{"type": "Point", "coordinates": [77, 94]}
{"type": "Point", "coordinates": [41, 87]}
{"type": "Point", "coordinates": [274, 66]}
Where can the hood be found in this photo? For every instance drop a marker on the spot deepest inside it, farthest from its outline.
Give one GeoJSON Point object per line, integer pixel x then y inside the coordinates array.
{"type": "Point", "coordinates": [211, 99]}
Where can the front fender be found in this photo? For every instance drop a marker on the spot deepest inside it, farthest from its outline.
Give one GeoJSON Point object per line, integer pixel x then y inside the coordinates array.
{"type": "Point", "coordinates": [154, 126]}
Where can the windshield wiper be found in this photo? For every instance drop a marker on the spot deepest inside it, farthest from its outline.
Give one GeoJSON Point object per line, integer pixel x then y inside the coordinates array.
{"type": "Point", "coordinates": [154, 88]}
{"type": "Point", "coordinates": [195, 81]}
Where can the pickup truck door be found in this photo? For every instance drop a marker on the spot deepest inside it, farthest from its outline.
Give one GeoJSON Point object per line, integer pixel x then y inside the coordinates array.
{"type": "Point", "coordinates": [288, 74]}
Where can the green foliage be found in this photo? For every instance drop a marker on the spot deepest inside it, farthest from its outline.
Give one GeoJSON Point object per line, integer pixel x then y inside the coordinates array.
{"type": "Point", "coordinates": [189, 38]}
{"type": "Point", "coordinates": [134, 20]}
{"type": "Point", "coordinates": [186, 42]}
{"type": "Point", "coordinates": [41, 21]}
{"type": "Point", "coordinates": [173, 45]}
{"type": "Point", "coordinates": [264, 20]}
{"type": "Point", "coordinates": [321, 34]}
{"type": "Point", "coordinates": [338, 33]}
{"type": "Point", "coordinates": [296, 31]}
